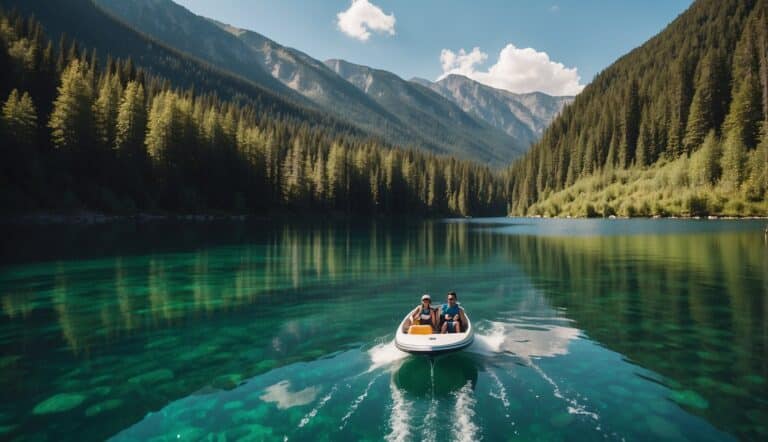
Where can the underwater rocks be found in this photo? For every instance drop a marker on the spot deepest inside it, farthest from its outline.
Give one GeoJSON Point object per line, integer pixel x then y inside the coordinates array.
{"type": "Point", "coordinates": [59, 403]}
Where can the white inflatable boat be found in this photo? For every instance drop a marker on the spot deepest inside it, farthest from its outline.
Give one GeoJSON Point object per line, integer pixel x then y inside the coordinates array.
{"type": "Point", "coordinates": [419, 339]}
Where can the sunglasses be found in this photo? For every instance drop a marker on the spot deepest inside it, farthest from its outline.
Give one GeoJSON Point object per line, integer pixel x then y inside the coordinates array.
{"type": "Point", "coordinates": [451, 299]}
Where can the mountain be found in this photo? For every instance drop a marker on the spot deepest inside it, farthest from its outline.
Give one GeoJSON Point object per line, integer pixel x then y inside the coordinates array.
{"type": "Point", "coordinates": [107, 35]}
{"type": "Point", "coordinates": [112, 120]}
{"type": "Point", "coordinates": [175, 26]}
{"type": "Point", "coordinates": [439, 117]}
{"type": "Point", "coordinates": [292, 73]}
{"type": "Point", "coordinates": [522, 116]}
{"type": "Point", "coordinates": [674, 127]}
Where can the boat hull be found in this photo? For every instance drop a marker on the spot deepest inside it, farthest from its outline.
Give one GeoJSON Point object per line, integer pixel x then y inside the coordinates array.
{"type": "Point", "coordinates": [433, 344]}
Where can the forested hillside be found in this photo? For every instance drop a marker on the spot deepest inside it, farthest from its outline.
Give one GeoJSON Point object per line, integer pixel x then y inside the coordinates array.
{"type": "Point", "coordinates": [399, 112]}
{"type": "Point", "coordinates": [675, 127]}
{"type": "Point", "coordinates": [81, 129]}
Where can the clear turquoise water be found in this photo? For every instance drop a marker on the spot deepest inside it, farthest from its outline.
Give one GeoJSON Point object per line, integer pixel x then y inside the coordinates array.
{"type": "Point", "coordinates": [588, 330]}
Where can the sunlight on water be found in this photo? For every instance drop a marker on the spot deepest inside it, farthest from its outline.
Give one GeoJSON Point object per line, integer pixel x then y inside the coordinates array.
{"type": "Point", "coordinates": [286, 332]}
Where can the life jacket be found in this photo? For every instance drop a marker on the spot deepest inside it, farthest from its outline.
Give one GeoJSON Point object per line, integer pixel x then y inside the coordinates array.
{"type": "Point", "coordinates": [453, 311]}
{"type": "Point", "coordinates": [425, 316]}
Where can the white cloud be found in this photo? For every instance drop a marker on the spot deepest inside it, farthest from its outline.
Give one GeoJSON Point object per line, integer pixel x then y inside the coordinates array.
{"type": "Point", "coordinates": [364, 17]}
{"type": "Point", "coordinates": [554, 9]}
{"type": "Point", "coordinates": [516, 70]}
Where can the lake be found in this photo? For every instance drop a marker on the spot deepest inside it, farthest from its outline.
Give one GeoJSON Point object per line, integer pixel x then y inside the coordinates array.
{"type": "Point", "coordinates": [586, 330]}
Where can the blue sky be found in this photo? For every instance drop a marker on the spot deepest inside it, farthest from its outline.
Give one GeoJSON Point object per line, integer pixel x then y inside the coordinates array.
{"type": "Point", "coordinates": [409, 36]}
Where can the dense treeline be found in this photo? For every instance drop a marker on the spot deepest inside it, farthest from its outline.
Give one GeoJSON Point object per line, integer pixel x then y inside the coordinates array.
{"type": "Point", "coordinates": [690, 104]}
{"type": "Point", "coordinates": [80, 132]}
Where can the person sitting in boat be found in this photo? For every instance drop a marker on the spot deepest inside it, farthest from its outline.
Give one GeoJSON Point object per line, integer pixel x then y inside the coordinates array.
{"type": "Point", "coordinates": [452, 315]}
{"type": "Point", "coordinates": [424, 314]}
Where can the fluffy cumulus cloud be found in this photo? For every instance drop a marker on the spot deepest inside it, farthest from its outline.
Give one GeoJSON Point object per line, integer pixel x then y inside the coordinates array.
{"type": "Point", "coordinates": [516, 70]}
{"type": "Point", "coordinates": [362, 18]}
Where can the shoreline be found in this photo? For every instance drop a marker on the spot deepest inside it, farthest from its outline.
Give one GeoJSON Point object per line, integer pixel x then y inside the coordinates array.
{"type": "Point", "coordinates": [679, 217]}
{"type": "Point", "coordinates": [88, 217]}
{"type": "Point", "coordinates": [97, 218]}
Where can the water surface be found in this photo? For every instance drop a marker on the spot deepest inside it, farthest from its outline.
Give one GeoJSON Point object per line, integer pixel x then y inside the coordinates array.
{"type": "Point", "coordinates": [588, 330]}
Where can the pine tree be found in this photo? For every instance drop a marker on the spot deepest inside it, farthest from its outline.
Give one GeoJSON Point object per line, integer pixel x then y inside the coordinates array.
{"type": "Point", "coordinates": [701, 117]}
{"type": "Point", "coordinates": [160, 128]}
{"type": "Point", "coordinates": [71, 121]}
{"type": "Point", "coordinates": [19, 121]}
{"type": "Point", "coordinates": [733, 161]}
{"type": "Point", "coordinates": [745, 114]}
{"type": "Point", "coordinates": [293, 176]}
{"type": "Point", "coordinates": [683, 92]}
{"type": "Point", "coordinates": [644, 146]}
{"type": "Point", "coordinates": [105, 110]}
{"type": "Point", "coordinates": [336, 173]}
{"type": "Point", "coordinates": [462, 199]}
{"type": "Point", "coordinates": [756, 184]}
{"type": "Point", "coordinates": [705, 162]}
{"type": "Point", "coordinates": [319, 181]}
{"type": "Point", "coordinates": [631, 127]}
{"type": "Point", "coordinates": [131, 122]}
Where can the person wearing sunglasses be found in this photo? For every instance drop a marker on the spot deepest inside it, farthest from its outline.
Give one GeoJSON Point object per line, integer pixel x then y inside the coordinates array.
{"type": "Point", "coordinates": [424, 314]}
{"type": "Point", "coordinates": [452, 315]}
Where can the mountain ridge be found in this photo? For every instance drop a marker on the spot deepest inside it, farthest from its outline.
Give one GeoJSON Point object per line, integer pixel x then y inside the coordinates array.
{"type": "Point", "coordinates": [299, 74]}
{"type": "Point", "coordinates": [522, 116]}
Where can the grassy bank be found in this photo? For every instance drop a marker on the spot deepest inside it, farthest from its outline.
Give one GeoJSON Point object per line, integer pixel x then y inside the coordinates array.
{"type": "Point", "coordinates": [670, 189]}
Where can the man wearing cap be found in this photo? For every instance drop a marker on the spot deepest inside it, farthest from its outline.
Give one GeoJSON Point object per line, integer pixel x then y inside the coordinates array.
{"type": "Point", "coordinates": [424, 314]}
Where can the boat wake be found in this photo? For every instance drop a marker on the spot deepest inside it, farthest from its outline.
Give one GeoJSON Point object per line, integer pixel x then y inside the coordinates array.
{"type": "Point", "coordinates": [309, 416]}
{"type": "Point", "coordinates": [385, 354]}
{"type": "Point", "coordinates": [464, 410]}
{"type": "Point", "coordinates": [429, 430]}
{"type": "Point", "coordinates": [501, 395]}
{"type": "Point", "coordinates": [489, 343]}
{"type": "Point", "coordinates": [574, 407]}
{"type": "Point", "coordinates": [359, 400]}
{"type": "Point", "coordinates": [398, 419]}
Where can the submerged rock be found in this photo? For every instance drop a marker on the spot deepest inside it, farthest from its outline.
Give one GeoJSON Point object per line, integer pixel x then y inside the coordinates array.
{"type": "Point", "coordinates": [662, 427]}
{"type": "Point", "coordinates": [227, 381]}
{"type": "Point", "coordinates": [152, 377]}
{"type": "Point", "coordinates": [689, 398]}
{"type": "Point", "coordinates": [233, 405]}
{"type": "Point", "coordinates": [59, 403]}
{"type": "Point", "coordinates": [4, 429]}
{"type": "Point", "coordinates": [755, 379]}
{"type": "Point", "coordinates": [101, 407]}
{"type": "Point", "coordinates": [561, 419]}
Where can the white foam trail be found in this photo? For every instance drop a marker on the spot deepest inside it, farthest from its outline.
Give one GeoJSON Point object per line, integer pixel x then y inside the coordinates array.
{"type": "Point", "coordinates": [309, 416]}
{"type": "Point", "coordinates": [489, 343]}
{"type": "Point", "coordinates": [398, 420]}
{"type": "Point", "coordinates": [574, 407]}
{"type": "Point", "coordinates": [385, 354]}
{"type": "Point", "coordinates": [502, 394]}
{"type": "Point", "coordinates": [464, 428]}
{"type": "Point", "coordinates": [429, 427]}
{"type": "Point", "coordinates": [357, 402]}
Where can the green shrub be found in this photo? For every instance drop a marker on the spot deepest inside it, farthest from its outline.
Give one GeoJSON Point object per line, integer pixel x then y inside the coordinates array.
{"type": "Point", "coordinates": [695, 205]}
